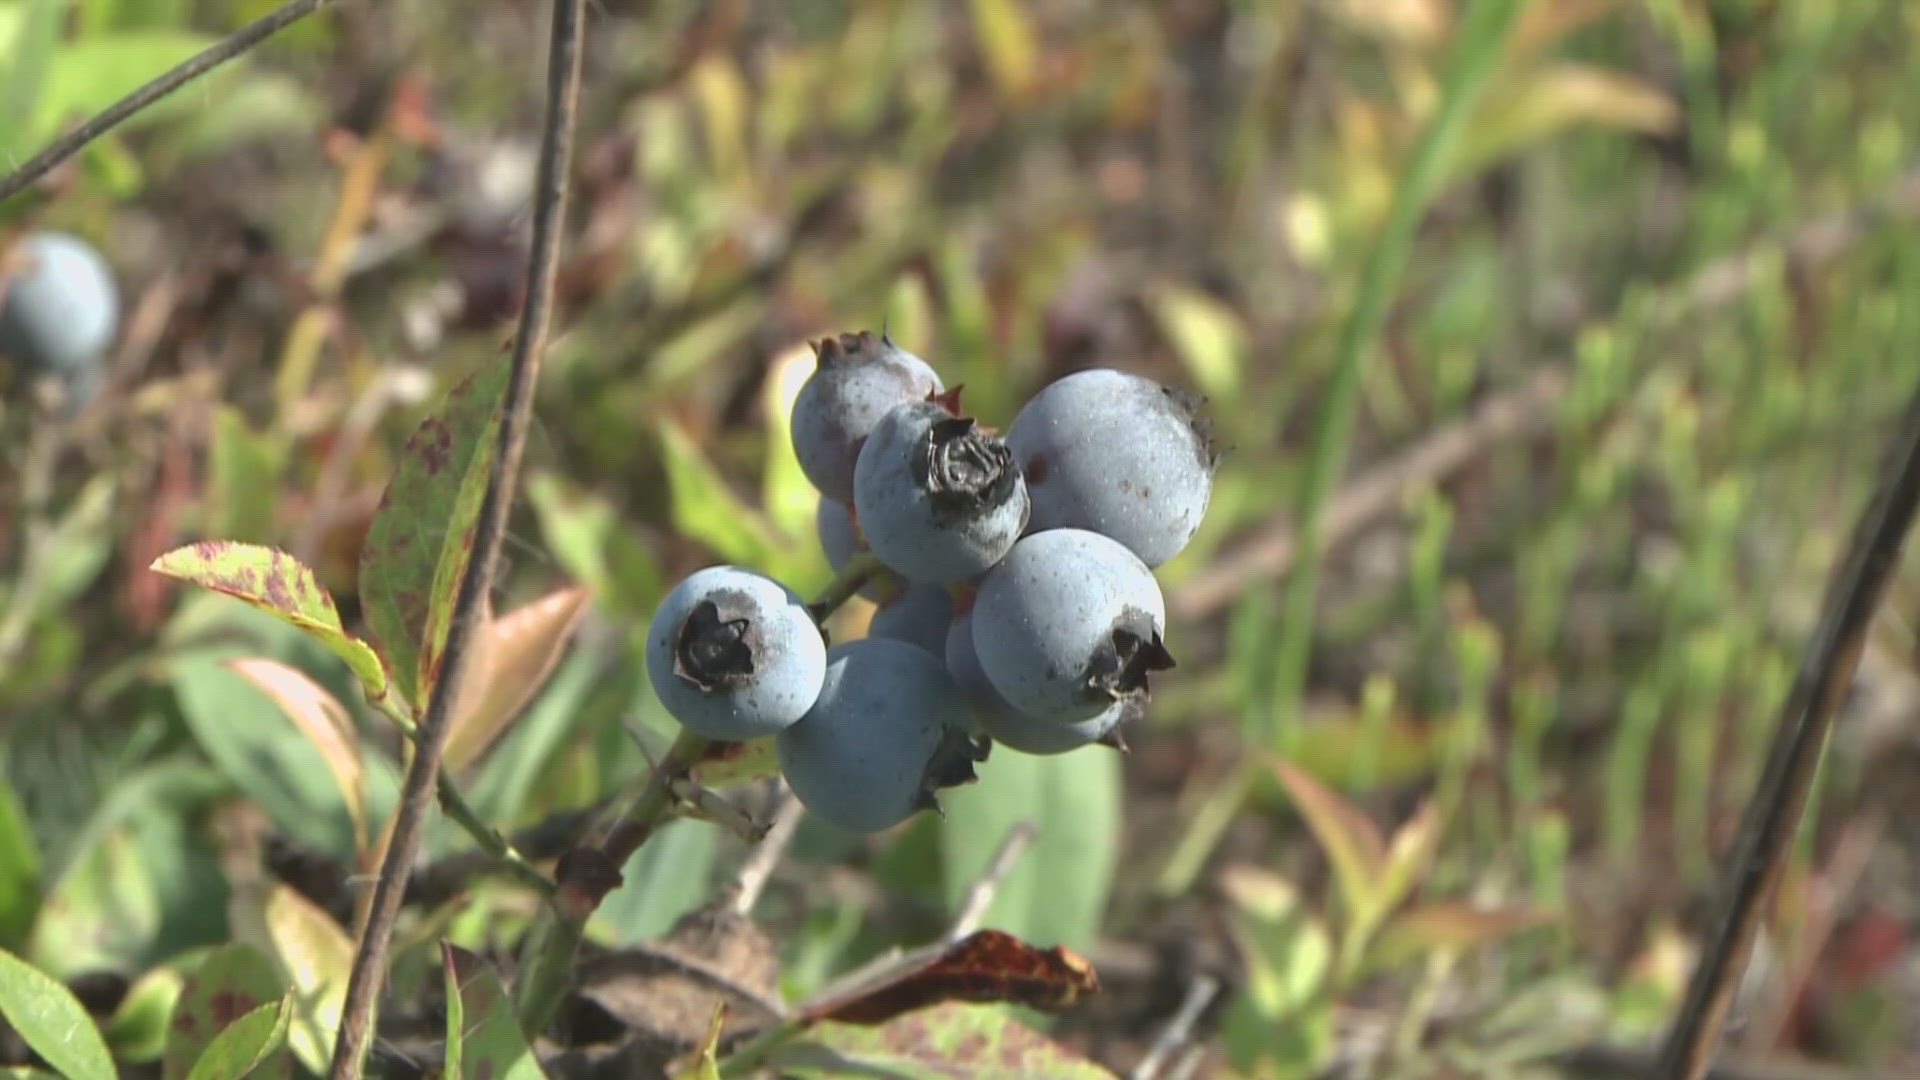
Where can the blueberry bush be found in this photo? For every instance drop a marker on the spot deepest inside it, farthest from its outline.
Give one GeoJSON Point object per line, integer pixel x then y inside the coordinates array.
{"type": "Point", "coordinates": [653, 540]}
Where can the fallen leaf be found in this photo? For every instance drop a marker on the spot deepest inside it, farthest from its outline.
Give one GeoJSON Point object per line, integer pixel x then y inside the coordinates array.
{"type": "Point", "coordinates": [989, 965]}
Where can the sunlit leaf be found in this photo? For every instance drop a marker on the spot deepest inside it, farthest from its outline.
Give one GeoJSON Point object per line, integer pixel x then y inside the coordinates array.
{"type": "Point", "coordinates": [275, 582]}
{"type": "Point", "coordinates": [1007, 40]}
{"type": "Point", "coordinates": [784, 489]}
{"type": "Point", "coordinates": [51, 1020]}
{"type": "Point", "coordinates": [1058, 891]}
{"type": "Point", "coordinates": [707, 510]}
{"type": "Point", "coordinates": [325, 723]}
{"type": "Point", "coordinates": [421, 538]}
{"type": "Point", "coordinates": [1556, 98]}
{"type": "Point", "coordinates": [1449, 928]}
{"type": "Point", "coordinates": [245, 1044]}
{"type": "Point", "coordinates": [316, 955]}
{"type": "Point", "coordinates": [1409, 857]}
{"type": "Point", "coordinates": [137, 1030]}
{"type": "Point", "coordinates": [1207, 336]}
{"type": "Point", "coordinates": [512, 660]}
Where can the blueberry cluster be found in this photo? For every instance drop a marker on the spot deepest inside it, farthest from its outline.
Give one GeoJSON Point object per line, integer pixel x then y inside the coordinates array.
{"type": "Point", "coordinates": [1018, 603]}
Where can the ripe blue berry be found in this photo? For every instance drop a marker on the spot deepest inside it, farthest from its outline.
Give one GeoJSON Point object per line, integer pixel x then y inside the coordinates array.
{"type": "Point", "coordinates": [919, 616]}
{"type": "Point", "coordinates": [1069, 623]}
{"type": "Point", "coordinates": [1003, 723]}
{"type": "Point", "coordinates": [938, 498]}
{"type": "Point", "coordinates": [734, 654]}
{"type": "Point", "coordinates": [858, 380]}
{"type": "Point", "coordinates": [840, 538]}
{"type": "Point", "coordinates": [1116, 454]}
{"type": "Point", "coordinates": [61, 308]}
{"type": "Point", "coordinates": [887, 731]}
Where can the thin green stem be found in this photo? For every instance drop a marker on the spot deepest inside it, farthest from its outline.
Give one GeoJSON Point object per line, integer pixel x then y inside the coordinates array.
{"type": "Point", "coordinates": [1481, 42]}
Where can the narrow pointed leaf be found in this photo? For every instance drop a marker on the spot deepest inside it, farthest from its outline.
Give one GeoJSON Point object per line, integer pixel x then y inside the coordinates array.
{"type": "Point", "coordinates": [420, 540]}
{"type": "Point", "coordinates": [230, 982]}
{"type": "Point", "coordinates": [1351, 841]}
{"type": "Point", "coordinates": [453, 1065]}
{"type": "Point", "coordinates": [52, 1021]}
{"type": "Point", "coordinates": [517, 653]}
{"type": "Point", "coordinates": [325, 723]}
{"type": "Point", "coordinates": [1449, 927]}
{"type": "Point", "coordinates": [1409, 858]}
{"type": "Point", "coordinates": [706, 1064]}
{"type": "Point", "coordinates": [707, 510]}
{"type": "Point", "coordinates": [246, 1043]}
{"type": "Point", "coordinates": [491, 1042]}
{"type": "Point", "coordinates": [275, 581]}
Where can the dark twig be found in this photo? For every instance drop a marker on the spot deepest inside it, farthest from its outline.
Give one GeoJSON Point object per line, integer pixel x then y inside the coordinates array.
{"type": "Point", "coordinates": [227, 48]}
{"type": "Point", "coordinates": [549, 213]}
{"type": "Point", "coordinates": [1179, 1030]}
{"type": "Point", "coordinates": [1772, 817]}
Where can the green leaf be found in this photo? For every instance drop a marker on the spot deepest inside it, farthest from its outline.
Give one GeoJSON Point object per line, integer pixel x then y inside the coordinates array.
{"type": "Point", "coordinates": [280, 584]}
{"type": "Point", "coordinates": [243, 470]}
{"type": "Point", "coordinates": [669, 876]}
{"type": "Point", "coordinates": [1279, 1023]}
{"type": "Point", "coordinates": [316, 714]}
{"type": "Point", "coordinates": [1351, 842]}
{"type": "Point", "coordinates": [508, 777]}
{"type": "Point", "coordinates": [316, 956]}
{"type": "Point", "coordinates": [453, 1065]}
{"type": "Point", "coordinates": [420, 540]}
{"type": "Point", "coordinates": [1057, 893]}
{"type": "Point", "coordinates": [784, 488]}
{"type": "Point", "coordinates": [52, 1021]}
{"type": "Point", "coordinates": [246, 735]}
{"type": "Point", "coordinates": [950, 1040]}
{"type": "Point", "coordinates": [19, 871]}
{"type": "Point", "coordinates": [137, 1031]}
{"type": "Point", "coordinates": [1208, 337]}
{"type": "Point", "coordinates": [231, 981]}
{"type": "Point", "coordinates": [35, 43]}
{"type": "Point", "coordinates": [491, 1043]}
{"type": "Point", "coordinates": [90, 74]}
{"type": "Point", "coordinates": [595, 547]}
{"type": "Point", "coordinates": [245, 1044]}
{"type": "Point", "coordinates": [707, 510]}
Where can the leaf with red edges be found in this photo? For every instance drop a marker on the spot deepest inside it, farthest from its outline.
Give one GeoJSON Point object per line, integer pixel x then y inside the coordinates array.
{"type": "Point", "coordinates": [989, 965]}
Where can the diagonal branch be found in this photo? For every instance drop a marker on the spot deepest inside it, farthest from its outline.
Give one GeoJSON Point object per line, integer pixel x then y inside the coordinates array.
{"type": "Point", "coordinates": [416, 795]}
{"type": "Point", "coordinates": [227, 48]}
{"type": "Point", "coordinates": [1773, 816]}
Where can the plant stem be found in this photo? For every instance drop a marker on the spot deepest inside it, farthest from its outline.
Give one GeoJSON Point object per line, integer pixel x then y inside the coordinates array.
{"type": "Point", "coordinates": [549, 214]}
{"type": "Point", "coordinates": [227, 48]}
{"type": "Point", "coordinates": [1480, 43]}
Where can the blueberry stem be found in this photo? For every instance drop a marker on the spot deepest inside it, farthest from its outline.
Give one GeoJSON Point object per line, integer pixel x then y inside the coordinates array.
{"type": "Point", "coordinates": [857, 571]}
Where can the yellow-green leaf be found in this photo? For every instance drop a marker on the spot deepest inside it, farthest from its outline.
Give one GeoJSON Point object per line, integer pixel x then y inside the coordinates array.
{"type": "Point", "coordinates": [276, 582]}
{"type": "Point", "coordinates": [316, 955]}
{"type": "Point", "coordinates": [245, 1044]}
{"type": "Point", "coordinates": [52, 1021]}
{"type": "Point", "coordinates": [1208, 337]}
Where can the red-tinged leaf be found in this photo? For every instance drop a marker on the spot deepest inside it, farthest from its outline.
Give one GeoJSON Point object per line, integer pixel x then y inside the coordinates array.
{"type": "Point", "coordinates": [1351, 841]}
{"type": "Point", "coordinates": [421, 538]}
{"type": "Point", "coordinates": [1409, 857]}
{"type": "Point", "coordinates": [949, 1040]}
{"type": "Point", "coordinates": [988, 965]}
{"type": "Point", "coordinates": [325, 723]}
{"type": "Point", "coordinates": [515, 656]}
{"type": "Point", "coordinates": [491, 1043]}
{"type": "Point", "coordinates": [232, 981]}
{"type": "Point", "coordinates": [277, 582]}
{"type": "Point", "coordinates": [736, 763]}
{"type": "Point", "coordinates": [1449, 927]}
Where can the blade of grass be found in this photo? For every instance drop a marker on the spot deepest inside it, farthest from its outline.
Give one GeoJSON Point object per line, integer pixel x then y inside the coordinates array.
{"type": "Point", "coordinates": [1481, 41]}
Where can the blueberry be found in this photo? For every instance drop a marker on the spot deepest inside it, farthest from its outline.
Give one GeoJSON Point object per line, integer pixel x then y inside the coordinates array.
{"type": "Point", "coordinates": [734, 654]}
{"type": "Point", "coordinates": [840, 538]}
{"type": "Point", "coordinates": [61, 307]}
{"type": "Point", "coordinates": [1069, 623]}
{"type": "Point", "coordinates": [919, 616]}
{"type": "Point", "coordinates": [888, 730]}
{"type": "Point", "coordinates": [858, 379]}
{"type": "Point", "coordinates": [1003, 723]}
{"type": "Point", "coordinates": [938, 498]}
{"type": "Point", "coordinates": [1117, 454]}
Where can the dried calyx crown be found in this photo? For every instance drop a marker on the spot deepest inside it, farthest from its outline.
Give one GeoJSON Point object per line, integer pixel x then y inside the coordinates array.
{"type": "Point", "coordinates": [715, 646]}
{"type": "Point", "coordinates": [958, 462]}
{"type": "Point", "coordinates": [1130, 652]}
